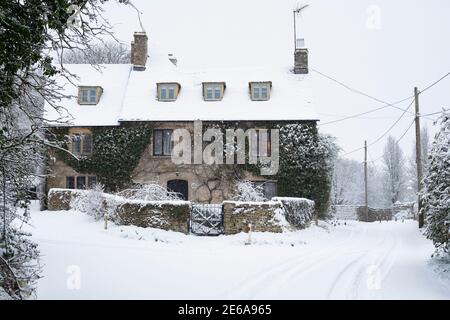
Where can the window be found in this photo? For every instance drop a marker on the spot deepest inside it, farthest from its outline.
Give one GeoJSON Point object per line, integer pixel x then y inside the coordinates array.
{"type": "Point", "coordinates": [269, 188]}
{"type": "Point", "coordinates": [88, 95]}
{"type": "Point", "coordinates": [70, 182]}
{"type": "Point", "coordinates": [257, 138]}
{"type": "Point", "coordinates": [79, 182]}
{"type": "Point", "coordinates": [76, 144]}
{"type": "Point", "coordinates": [92, 180]}
{"type": "Point", "coordinates": [213, 91]}
{"type": "Point", "coordinates": [167, 91]}
{"type": "Point", "coordinates": [162, 142]}
{"type": "Point", "coordinates": [171, 93]}
{"type": "Point", "coordinates": [81, 143]}
{"type": "Point", "coordinates": [260, 91]}
{"type": "Point", "coordinates": [87, 143]}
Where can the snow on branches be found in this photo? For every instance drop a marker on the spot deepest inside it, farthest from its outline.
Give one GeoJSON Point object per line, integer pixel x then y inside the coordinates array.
{"type": "Point", "coordinates": [249, 191]}
{"type": "Point", "coordinates": [436, 193]}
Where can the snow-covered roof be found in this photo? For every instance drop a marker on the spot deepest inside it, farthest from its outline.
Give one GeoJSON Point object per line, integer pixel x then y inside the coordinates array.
{"type": "Point", "coordinates": [130, 95]}
{"type": "Point", "coordinates": [112, 78]}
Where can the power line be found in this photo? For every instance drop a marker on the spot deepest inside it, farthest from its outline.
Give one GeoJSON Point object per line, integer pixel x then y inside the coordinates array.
{"type": "Point", "coordinates": [363, 93]}
{"type": "Point", "coordinates": [435, 83]}
{"type": "Point", "coordinates": [362, 113]}
{"type": "Point", "coordinates": [404, 133]}
{"type": "Point", "coordinates": [374, 98]}
{"type": "Point", "coordinates": [385, 133]}
{"type": "Point", "coordinates": [432, 114]}
{"type": "Point", "coordinates": [398, 140]}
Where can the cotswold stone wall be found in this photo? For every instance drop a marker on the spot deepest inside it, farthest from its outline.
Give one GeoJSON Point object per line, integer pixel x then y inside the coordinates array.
{"type": "Point", "coordinates": [263, 216]}
{"type": "Point", "coordinates": [173, 215]}
{"type": "Point", "coordinates": [272, 216]}
{"type": "Point", "coordinates": [162, 215]}
{"type": "Point", "coordinates": [59, 199]}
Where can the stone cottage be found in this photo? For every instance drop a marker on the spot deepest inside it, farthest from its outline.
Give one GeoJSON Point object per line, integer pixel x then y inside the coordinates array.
{"type": "Point", "coordinates": [154, 89]}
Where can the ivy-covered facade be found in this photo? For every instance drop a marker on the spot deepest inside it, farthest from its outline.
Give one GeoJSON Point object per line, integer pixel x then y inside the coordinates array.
{"type": "Point", "coordinates": [119, 156]}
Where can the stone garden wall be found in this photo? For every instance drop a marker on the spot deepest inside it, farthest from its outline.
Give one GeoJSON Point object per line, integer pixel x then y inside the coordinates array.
{"type": "Point", "coordinates": [59, 199]}
{"type": "Point", "coordinates": [171, 215]}
{"type": "Point", "coordinates": [156, 214]}
{"type": "Point", "coordinates": [263, 216]}
{"type": "Point", "coordinates": [276, 215]}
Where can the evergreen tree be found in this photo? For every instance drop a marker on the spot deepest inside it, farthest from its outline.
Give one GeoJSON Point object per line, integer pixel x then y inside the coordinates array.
{"type": "Point", "coordinates": [436, 193]}
{"type": "Point", "coordinates": [306, 164]}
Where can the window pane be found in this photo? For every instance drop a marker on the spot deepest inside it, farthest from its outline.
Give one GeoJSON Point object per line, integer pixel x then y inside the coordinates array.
{"type": "Point", "coordinates": [87, 144]}
{"type": "Point", "coordinates": [163, 94]}
{"type": "Point", "coordinates": [92, 180]}
{"type": "Point", "coordinates": [70, 183]}
{"type": "Point", "coordinates": [167, 143]}
{"type": "Point", "coordinates": [171, 93]}
{"type": "Point", "coordinates": [157, 142]}
{"type": "Point", "coordinates": [76, 144]}
{"type": "Point", "coordinates": [255, 93]}
{"type": "Point", "coordinates": [81, 182]}
{"type": "Point", "coordinates": [92, 96]}
{"type": "Point", "coordinates": [84, 95]}
{"type": "Point", "coordinates": [264, 92]}
{"type": "Point", "coordinates": [270, 190]}
{"type": "Point", "coordinates": [209, 94]}
{"type": "Point", "coordinates": [217, 93]}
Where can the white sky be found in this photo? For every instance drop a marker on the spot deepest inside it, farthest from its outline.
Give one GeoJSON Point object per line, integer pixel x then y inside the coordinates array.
{"type": "Point", "coordinates": [410, 48]}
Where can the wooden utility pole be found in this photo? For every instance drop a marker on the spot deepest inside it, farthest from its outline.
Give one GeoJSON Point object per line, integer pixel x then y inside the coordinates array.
{"type": "Point", "coordinates": [418, 158]}
{"type": "Point", "coordinates": [366, 198]}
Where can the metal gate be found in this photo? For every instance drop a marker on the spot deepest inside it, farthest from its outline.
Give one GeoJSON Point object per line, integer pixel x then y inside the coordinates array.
{"type": "Point", "coordinates": [206, 219]}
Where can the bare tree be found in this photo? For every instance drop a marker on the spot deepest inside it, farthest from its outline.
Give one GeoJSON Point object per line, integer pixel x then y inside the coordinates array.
{"type": "Point", "coordinates": [347, 185]}
{"type": "Point", "coordinates": [394, 171]}
{"type": "Point", "coordinates": [107, 52]}
{"type": "Point", "coordinates": [411, 170]}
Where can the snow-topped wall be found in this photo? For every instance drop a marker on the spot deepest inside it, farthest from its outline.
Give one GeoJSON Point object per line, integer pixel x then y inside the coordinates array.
{"type": "Point", "coordinates": [276, 216]}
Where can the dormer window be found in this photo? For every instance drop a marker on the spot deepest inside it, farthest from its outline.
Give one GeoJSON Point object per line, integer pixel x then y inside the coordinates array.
{"type": "Point", "coordinates": [168, 91]}
{"type": "Point", "coordinates": [89, 95]}
{"type": "Point", "coordinates": [213, 91]}
{"type": "Point", "coordinates": [260, 91]}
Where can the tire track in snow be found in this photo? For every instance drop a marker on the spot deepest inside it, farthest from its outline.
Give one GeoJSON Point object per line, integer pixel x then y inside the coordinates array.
{"type": "Point", "coordinates": [275, 272]}
{"type": "Point", "coordinates": [356, 270]}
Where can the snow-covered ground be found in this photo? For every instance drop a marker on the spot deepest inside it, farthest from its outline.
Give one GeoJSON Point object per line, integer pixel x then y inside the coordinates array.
{"type": "Point", "coordinates": [389, 260]}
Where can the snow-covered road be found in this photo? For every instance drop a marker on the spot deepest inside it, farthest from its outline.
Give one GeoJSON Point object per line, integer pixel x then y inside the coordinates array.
{"type": "Point", "coordinates": [388, 260]}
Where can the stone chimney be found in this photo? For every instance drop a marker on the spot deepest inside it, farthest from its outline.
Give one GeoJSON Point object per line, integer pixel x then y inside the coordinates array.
{"type": "Point", "coordinates": [139, 51]}
{"type": "Point", "coordinates": [300, 57]}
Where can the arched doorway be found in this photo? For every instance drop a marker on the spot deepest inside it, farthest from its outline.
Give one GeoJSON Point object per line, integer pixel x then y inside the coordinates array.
{"type": "Point", "coordinates": [178, 186]}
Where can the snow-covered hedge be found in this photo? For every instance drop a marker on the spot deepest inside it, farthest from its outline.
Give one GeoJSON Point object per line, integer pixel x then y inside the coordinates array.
{"type": "Point", "coordinates": [298, 211]}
